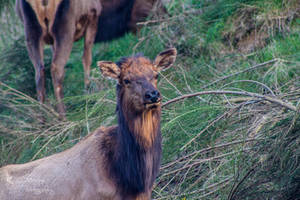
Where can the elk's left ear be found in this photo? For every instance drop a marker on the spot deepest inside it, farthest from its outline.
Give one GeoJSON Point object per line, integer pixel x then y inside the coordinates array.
{"type": "Point", "coordinates": [165, 59]}
{"type": "Point", "coordinates": [109, 69]}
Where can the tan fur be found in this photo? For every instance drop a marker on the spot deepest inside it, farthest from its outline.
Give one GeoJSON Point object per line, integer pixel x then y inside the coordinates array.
{"type": "Point", "coordinates": [77, 173]}
{"type": "Point", "coordinates": [145, 128]}
{"type": "Point", "coordinates": [109, 69]}
{"type": "Point", "coordinates": [142, 68]}
{"type": "Point", "coordinates": [165, 59]}
{"type": "Point", "coordinates": [45, 9]}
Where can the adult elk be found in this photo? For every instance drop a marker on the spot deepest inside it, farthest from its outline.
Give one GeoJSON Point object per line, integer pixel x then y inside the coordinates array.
{"type": "Point", "coordinates": [61, 22]}
{"type": "Point", "coordinates": [115, 163]}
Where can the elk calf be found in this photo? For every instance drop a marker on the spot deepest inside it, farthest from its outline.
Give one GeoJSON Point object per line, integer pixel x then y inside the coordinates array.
{"type": "Point", "coordinates": [115, 163]}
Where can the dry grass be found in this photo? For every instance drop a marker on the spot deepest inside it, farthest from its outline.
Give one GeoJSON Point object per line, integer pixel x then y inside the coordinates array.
{"type": "Point", "coordinates": [251, 27]}
{"type": "Point", "coordinates": [252, 130]}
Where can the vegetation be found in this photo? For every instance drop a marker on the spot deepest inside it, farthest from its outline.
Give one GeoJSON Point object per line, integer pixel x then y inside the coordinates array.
{"type": "Point", "coordinates": [239, 139]}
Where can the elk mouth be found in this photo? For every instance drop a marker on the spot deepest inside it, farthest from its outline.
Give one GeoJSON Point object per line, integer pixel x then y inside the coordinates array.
{"type": "Point", "coordinates": [151, 105]}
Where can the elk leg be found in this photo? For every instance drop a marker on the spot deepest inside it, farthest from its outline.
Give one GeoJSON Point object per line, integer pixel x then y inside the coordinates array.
{"type": "Point", "coordinates": [61, 54]}
{"type": "Point", "coordinates": [34, 43]}
{"type": "Point", "coordinates": [88, 44]}
{"type": "Point", "coordinates": [36, 54]}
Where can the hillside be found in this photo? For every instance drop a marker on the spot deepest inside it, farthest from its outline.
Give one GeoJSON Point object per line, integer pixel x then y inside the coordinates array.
{"type": "Point", "coordinates": [236, 133]}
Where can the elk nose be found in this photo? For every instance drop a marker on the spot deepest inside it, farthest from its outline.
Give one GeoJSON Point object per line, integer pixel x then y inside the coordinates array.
{"type": "Point", "coordinates": [152, 96]}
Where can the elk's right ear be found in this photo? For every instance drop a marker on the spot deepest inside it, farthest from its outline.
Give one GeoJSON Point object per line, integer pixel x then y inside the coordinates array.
{"type": "Point", "coordinates": [109, 69]}
{"type": "Point", "coordinates": [165, 59]}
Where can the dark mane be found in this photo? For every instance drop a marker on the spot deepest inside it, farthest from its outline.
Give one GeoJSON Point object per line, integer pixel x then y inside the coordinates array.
{"type": "Point", "coordinates": [114, 21]}
{"type": "Point", "coordinates": [130, 164]}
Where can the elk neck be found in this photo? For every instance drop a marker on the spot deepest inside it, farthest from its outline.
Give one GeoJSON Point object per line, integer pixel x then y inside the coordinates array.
{"type": "Point", "coordinates": [137, 149]}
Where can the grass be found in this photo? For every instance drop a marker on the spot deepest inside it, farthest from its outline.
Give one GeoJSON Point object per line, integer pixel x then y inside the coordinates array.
{"type": "Point", "coordinates": [214, 146]}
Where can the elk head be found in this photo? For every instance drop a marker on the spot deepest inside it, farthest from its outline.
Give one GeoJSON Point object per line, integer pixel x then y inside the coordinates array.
{"type": "Point", "coordinates": [137, 79]}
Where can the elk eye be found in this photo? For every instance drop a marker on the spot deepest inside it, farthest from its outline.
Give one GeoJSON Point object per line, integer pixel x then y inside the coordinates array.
{"type": "Point", "coordinates": [126, 81]}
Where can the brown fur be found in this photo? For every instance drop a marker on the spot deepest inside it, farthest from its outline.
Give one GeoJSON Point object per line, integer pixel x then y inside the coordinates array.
{"type": "Point", "coordinates": [114, 163]}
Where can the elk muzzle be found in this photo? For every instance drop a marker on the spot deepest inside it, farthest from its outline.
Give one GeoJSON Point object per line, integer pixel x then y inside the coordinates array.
{"type": "Point", "coordinates": [152, 98]}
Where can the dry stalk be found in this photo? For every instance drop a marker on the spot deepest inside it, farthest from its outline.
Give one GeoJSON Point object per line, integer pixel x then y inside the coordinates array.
{"type": "Point", "coordinates": [240, 72]}
{"type": "Point", "coordinates": [30, 99]}
{"type": "Point", "coordinates": [210, 149]}
{"type": "Point", "coordinates": [235, 187]}
{"type": "Point", "coordinates": [251, 81]}
{"type": "Point", "coordinates": [199, 161]}
{"type": "Point", "coordinates": [219, 185]}
{"type": "Point", "coordinates": [205, 129]}
{"type": "Point", "coordinates": [251, 94]}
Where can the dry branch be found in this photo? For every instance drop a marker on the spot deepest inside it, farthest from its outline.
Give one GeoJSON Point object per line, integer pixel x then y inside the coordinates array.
{"type": "Point", "coordinates": [240, 72]}
{"type": "Point", "coordinates": [287, 105]}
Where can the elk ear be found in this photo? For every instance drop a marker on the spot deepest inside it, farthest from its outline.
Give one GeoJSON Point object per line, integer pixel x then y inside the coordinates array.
{"type": "Point", "coordinates": [165, 59]}
{"type": "Point", "coordinates": [109, 69]}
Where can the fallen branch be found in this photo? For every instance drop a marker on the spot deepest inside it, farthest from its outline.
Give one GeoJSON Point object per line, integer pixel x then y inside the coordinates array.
{"type": "Point", "coordinates": [251, 94]}
{"type": "Point", "coordinates": [238, 100]}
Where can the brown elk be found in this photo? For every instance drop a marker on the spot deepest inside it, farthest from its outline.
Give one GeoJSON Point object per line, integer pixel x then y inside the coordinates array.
{"type": "Point", "coordinates": [61, 22]}
{"type": "Point", "coordinates": [115, 163]}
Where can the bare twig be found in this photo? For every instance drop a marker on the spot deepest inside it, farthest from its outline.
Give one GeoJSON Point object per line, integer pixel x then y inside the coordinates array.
{"type": "Point", "coordinates": [209, 187]}
{"type": "Point", "coordinates": [251, 94]}
{"type": "Point", "coordinates": [209, 149]}
{"type": "Point", "coordinates": [240, 72]}
{"type": "Point", "coordinates": [199, 161]}
{"type": "Point", "coordinates": [251, 81]}
{"type": "Point", "coordinates": [207, 127]}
